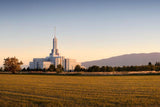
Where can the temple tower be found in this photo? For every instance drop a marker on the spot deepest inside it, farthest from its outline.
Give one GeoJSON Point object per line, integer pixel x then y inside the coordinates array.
{"type": "Point", "coordinates": [54, 51]}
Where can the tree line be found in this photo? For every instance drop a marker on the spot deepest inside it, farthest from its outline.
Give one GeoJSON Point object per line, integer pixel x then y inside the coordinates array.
{"type": "Point", "coordinates": [13, 65]}
{"type": "Point", "coordinates": [149, 67]}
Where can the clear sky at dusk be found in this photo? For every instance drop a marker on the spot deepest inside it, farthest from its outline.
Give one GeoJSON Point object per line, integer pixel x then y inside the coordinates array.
{"type": "Point", "coordinates": [86, 29]}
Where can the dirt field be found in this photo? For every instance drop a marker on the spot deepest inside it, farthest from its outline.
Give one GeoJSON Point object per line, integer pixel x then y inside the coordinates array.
{"type": "Point", "coordinates": [73, 91]}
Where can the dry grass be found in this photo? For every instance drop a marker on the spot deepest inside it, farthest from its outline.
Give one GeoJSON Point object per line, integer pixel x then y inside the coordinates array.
{"type": "Point", "coordinates": [71, 91]}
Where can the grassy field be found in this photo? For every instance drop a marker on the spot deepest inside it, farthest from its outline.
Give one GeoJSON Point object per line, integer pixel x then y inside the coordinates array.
{"type": "Point", "coordinates": [74, 91]}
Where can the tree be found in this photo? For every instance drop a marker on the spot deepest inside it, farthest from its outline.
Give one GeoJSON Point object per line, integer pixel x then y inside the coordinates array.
{"type": "Point", "coordinates": [1, 69]}
{"type": "Point", "coordinates": [94, 68]}
{"type": "Point", "coordinates": [59, 69]}
{"type": "Point", "coordinates": [51, 68]}
{"type": "Point", "coordinates": [103, 69]}
{"type": "Point", "coordinates": [12, 64]}
{"type": "Point", "coordinates": [157, 64]}
{"type": "Point", "coordinates": [110, 69]}
{"type": "Point", "coordinates": [152, 68]}
{"type": "Point", "coordinates": [28, 69]}
{"type": "Point", "coordinates": [83, 69]}
{"type": "Point", "coordinates": [77, 68]}
{"type": "Point", "coordinates": [24, 69]}
{"type": "Point", "coordinates": [157, 68]}
{"type": "Point", "coordinates": [149, 63]}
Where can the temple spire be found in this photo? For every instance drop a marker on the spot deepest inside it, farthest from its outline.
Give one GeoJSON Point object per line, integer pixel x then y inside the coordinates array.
{"type": "Point", "coordinates": [54, 51]}
{"type": "Point", "coordinates": [55, 32]}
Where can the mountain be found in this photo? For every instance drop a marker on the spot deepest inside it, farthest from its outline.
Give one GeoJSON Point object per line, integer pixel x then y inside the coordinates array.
{"type": "Point", "coordinates": [127, 60]}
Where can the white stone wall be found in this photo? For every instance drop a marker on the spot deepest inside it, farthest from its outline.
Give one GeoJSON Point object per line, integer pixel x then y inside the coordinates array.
{"type": "Point", "coordinates": [37, 63]}
{"type": "Point", "coordinates": [70, 64]}
{"type": "Point", "coordinates": [46, 64]}
{"type": "Point", "coordinates": [31, 65]}
{"type": "Point", "coordinates": [60, 60]}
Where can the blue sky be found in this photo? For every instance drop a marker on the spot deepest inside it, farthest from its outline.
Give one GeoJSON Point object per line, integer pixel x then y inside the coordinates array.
{"type": "Point", "coordinates": [86, 29]}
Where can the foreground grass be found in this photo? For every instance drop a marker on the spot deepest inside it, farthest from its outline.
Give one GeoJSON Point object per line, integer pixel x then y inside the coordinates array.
{"type": "Point", "coordinates": [74, 91]}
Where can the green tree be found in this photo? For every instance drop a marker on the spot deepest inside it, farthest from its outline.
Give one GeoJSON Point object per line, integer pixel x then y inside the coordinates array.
{"type": "Point", "coordinates": [1, 69]}
{"type": "Point", "coordinates": [52, 67]}
{"type": "Point", "coordinates": [94, 68]}
{"type": "Point", "coordinates": [12, 64]}
{"type": "Point", "coordinates": [103, 69]}
{"type": "Point", "coordinates": [157, 68]}
{"type": "Point", "coordinates": [28, 69]}
{"type": "Point", "coordinates": [149, 63]}
{"type": "Point", "coordinates": [59, 69]}
{"type": "Point", "coordinates": [157, 64]}
{"type": "Point", "coordinates": [77, 68]}
{"type": "Point", "coordinates": [83, 69]}
{"type": "Point", "coordinates": [110, 69]}
{"type": "Point", "coordinates": [117, 69]}
{"type": "Point", "coordinates": [24, 69]}
{"type": "Point", "coordinates": [152, 67]}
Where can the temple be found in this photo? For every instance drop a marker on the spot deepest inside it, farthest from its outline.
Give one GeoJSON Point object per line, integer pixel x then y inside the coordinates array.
{"type": "Point", "coordinates": [55, 59]}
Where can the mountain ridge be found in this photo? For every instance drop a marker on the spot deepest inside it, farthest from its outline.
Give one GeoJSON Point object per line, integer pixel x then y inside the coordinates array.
{"type": "Point", "coordinates": [126, 60]}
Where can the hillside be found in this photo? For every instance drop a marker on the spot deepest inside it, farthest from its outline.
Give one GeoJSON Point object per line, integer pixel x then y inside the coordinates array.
{"type": "Point", "coordinates": [127, 60]}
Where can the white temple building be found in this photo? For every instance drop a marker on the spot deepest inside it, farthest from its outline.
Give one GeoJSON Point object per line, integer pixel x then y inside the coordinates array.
{"type": "Point", "coordinates": [55, 59]}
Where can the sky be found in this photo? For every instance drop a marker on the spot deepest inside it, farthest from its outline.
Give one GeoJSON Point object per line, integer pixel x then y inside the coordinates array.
{"type": "Point", "coordinates": [86, 29]}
